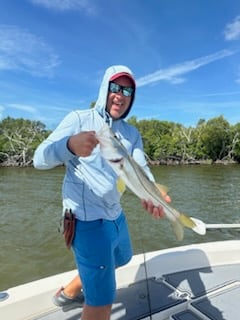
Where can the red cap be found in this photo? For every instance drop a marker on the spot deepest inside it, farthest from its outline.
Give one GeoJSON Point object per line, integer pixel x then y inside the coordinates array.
{"type": "Point", "coordinates": [121, 74]}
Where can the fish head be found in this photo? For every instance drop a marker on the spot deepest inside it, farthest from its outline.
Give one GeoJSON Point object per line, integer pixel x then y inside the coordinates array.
{"type": "Point", "coordinates": [110, 145]}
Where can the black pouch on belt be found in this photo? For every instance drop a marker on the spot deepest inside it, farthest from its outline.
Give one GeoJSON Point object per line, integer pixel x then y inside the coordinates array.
{"type": "Point", "coordinates": [68, 227]}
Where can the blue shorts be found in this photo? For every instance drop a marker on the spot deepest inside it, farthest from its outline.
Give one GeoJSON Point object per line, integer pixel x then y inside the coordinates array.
{"type": "Point", "coordinates": [99, 247]}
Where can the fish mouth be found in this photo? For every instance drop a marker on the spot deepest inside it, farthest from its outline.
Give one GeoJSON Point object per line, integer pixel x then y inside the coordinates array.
{"type": "Point", "coordinates": [116, 160]}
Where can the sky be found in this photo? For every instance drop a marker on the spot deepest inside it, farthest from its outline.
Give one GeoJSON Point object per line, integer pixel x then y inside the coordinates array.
{"type": "Point", "coordinates": [185, 56]}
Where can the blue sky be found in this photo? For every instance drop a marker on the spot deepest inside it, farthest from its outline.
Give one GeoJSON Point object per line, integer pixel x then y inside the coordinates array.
{"type": "Point", "coordinates": [185, 56]}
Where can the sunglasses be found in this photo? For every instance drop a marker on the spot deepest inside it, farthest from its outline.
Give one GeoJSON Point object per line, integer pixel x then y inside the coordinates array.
{"type": "Point", "coordinates": [115, 88]}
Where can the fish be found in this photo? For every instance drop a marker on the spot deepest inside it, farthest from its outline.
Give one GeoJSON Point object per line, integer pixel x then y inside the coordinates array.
{"type": "Point", "coordinates": [135, 178]}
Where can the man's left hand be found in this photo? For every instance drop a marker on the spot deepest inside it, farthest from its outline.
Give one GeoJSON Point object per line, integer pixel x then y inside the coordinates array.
{"type": "Point", "coordinates": [156, 212]}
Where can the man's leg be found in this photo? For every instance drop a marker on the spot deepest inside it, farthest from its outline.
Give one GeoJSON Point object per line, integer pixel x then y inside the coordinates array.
{"type": "Point", "coordinates": [71, 296]}
{"type": "Point", "coordinates": [96, 313]}
{"type": "Point", "coordinates": [99, 246]}
{"type": "Point", "coordinates": [73, 288]}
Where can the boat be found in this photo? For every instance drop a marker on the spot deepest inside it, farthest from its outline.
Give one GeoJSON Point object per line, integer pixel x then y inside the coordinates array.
{"type": "Point", "coordinates": [191, 282]}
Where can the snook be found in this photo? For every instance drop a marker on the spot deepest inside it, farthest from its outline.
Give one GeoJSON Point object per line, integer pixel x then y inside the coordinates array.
{"type": "Point", "coordinates": [137, 181]}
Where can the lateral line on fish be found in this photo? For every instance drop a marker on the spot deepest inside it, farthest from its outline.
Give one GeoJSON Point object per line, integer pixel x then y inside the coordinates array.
{"type": "Point", "coordinates": [164, 204]}
{"type": "Point", "coordinates": [142, 182]}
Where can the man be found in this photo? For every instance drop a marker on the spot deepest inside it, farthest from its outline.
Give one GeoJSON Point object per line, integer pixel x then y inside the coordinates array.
{"type": "Point", "coordinates": [101, 242]}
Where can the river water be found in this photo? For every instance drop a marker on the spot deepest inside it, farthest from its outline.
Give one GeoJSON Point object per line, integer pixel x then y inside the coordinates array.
{"type": "Point", "coordinates": [32, 247]}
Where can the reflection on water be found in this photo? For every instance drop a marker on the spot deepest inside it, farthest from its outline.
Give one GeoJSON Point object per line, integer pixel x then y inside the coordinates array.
{"type": "Point", "coordinates": [31, 246]}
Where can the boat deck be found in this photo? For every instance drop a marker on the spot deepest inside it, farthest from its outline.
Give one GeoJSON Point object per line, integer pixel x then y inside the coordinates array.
{"type": "Point", "coordinates": [196, 294]}
{"type": "Point", "coordinates": [194, 282]}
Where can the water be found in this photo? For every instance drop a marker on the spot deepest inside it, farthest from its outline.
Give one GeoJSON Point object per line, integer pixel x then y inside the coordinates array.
{"type": "Point", "coordinates": [32, 248]}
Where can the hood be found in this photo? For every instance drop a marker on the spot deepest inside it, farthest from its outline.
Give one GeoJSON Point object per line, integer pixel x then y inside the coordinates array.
{"type": "Point", "coordinates": [101, 102]}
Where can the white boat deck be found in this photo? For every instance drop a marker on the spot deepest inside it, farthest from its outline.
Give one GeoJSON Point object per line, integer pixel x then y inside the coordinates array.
{"type": "Point", "coordinates": [186, 283]}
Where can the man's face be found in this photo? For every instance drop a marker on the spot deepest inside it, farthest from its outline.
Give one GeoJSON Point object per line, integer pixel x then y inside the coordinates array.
{"type": "Point", "coordinates": [117, 103]}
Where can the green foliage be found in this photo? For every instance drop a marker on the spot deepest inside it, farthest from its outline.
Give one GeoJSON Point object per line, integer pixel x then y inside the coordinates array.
{"type": "Point", "coordinates": [235, 135]}
{"type": "Point", "coordinates": [18, 140]}
{"type": "Point", "coordinates": [211, 140]}
{"type": "Point", "coordinates": [92, 105]}
{"type": "Point", "coordinates": [216, 138]}
{"type": "Point", "coordinates": [158, 137]}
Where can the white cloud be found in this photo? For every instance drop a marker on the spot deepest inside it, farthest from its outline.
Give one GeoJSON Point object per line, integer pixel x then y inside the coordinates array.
{"type": "Point", "coordinates": [232, 30]}
{"type": "Point", "coordinates": [215, 94]}
{"type": "Point", "coordinates": [23, 107]}
{"type": "Point", "coordinates": [173, 74]}
{"type": "Point", "coordinates": [67, 5]}
{"type": "Point", "coordinates": [22, 50]}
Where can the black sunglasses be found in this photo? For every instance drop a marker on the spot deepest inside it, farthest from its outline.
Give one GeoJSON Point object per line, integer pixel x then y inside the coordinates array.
{"type": "Point", "coordinates": [115, 88]}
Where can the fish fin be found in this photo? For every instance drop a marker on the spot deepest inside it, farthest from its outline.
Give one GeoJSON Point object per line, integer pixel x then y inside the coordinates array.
{"type": "Point", "coordinates": [162, 189]}
{"type": "Point", "coordinates": [163, 192]}
{"type": "Point", "coordinates": [186, 221]}
{"type": "Point", "coordinates": [178, 229]}
{"type": "Point", "coordinates": [121, 186]}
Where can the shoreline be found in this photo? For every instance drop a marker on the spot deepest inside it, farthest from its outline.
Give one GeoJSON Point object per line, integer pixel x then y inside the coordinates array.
{"type": "Point", "coordinates": [170, 162]}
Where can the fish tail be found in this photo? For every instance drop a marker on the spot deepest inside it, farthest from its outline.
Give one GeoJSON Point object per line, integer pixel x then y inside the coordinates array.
{"type": "Point", "coordinates": [178, 229]}
{"type": "Point", "coordinates": [186, 221]}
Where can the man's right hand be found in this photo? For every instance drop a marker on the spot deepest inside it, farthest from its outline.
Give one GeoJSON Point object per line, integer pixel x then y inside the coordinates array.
{"type": "Point", "coordinates": [83, 143]}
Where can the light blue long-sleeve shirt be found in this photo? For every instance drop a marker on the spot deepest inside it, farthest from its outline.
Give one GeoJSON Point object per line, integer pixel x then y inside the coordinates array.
{"type": "Point", "coordinates": [89, 186]}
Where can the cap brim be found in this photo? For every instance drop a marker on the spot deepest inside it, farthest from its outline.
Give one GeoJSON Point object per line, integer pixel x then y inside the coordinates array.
{"type": "Point", "coordinates": [121, 74]}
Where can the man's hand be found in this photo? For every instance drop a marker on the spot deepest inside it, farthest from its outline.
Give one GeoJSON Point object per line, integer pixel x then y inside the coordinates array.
{"type": "Point", "coordinates": [156, 212]}
{"type": "Point", "coordinates": [83, 143]}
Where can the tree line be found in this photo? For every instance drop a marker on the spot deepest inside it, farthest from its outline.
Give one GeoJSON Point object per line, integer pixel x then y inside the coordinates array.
{"type": "Point", "coordinates": [165, 142]}
{"type": "Point", "coordinates": [211, 141]}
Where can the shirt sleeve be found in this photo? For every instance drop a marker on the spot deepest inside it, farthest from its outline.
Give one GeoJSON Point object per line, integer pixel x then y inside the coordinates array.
{"type": "Point", "coordinates": [54, 151]}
